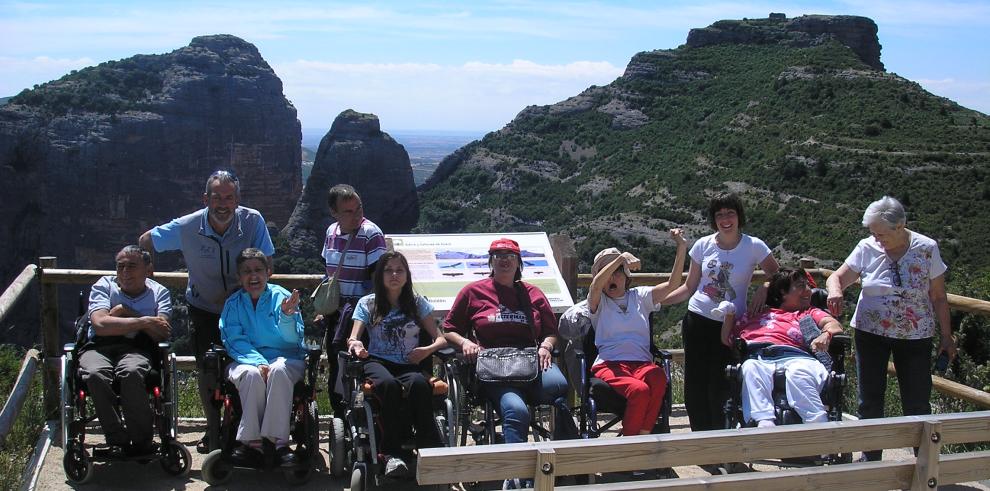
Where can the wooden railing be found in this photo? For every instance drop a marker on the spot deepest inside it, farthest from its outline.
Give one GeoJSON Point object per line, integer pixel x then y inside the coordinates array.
{"type": "Point", "coordinates": [29, 365]}
{"type": "Point", "coordinates": [544, 461]}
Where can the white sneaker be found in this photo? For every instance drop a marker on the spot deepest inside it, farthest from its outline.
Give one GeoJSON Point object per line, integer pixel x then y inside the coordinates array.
{"type": "Point", "coordinates": [395, 467]}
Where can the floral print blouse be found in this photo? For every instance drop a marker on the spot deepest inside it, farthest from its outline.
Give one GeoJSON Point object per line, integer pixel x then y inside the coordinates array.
{"type": "Point", "coordinates": [894, 300]}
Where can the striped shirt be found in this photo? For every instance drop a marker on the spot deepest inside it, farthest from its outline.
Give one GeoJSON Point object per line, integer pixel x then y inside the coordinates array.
{"type": "Point", "coordinates": [368, 245]}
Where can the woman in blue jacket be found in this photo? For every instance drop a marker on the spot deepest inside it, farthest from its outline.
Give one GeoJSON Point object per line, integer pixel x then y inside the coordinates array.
{"type": "Point", "coordinates": [263, 332]}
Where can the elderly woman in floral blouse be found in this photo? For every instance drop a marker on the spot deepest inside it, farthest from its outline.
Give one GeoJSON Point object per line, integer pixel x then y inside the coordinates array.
{"type": "Point", "coordinates": [901, 307]}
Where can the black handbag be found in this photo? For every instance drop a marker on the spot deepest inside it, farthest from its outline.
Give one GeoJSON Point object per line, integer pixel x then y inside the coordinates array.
{"type": "Point", "coordinates": [514, 366]}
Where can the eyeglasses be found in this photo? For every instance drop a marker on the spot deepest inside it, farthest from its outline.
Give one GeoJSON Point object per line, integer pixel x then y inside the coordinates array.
{"type": "Point", "coordinates": [503, 255]}
{"type": "Point", "coordinates": [896, 270]}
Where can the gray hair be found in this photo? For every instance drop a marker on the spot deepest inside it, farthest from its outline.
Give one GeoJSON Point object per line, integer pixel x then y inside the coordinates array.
{"type": "Point", "coordinates": [133, 249]}
{"type": "Point", "coordinates": [886, 210]}
{"type": "Point", "coordinates": [341, 192]}
{"type": "Point", "coordinates": [223, 177]}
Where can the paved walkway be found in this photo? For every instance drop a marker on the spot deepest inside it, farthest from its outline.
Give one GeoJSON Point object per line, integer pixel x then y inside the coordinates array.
{"type": "Point", "coordinates": [150, 477]}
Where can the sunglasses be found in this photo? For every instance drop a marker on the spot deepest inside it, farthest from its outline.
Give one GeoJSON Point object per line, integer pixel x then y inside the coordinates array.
{"type": "Point", "coordinates": [896, 270]}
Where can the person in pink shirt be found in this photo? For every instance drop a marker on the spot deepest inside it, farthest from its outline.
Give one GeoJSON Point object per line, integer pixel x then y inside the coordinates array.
{"type": "Point", "coordinates": [775, 340]}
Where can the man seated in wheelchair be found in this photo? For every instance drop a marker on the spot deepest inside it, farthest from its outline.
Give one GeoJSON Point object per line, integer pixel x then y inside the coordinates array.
{"type": "Point", "coordinates": [396, 320]}
{"type": "Point", "coordinates": [129, 315]}
{"type": "Point", "coordinates": [621, 318]}
{"type": "Point", "coordinates": [788, 335]}
{"type": "Point", "coordinates": [262, 330]}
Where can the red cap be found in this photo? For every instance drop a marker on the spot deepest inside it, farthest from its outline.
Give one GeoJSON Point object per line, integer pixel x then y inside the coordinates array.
{"type": "Point", "coordinates": [504, 244]}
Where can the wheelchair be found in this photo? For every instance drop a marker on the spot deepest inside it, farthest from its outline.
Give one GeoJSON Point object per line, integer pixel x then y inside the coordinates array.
{"type": "Point", "coordinates": [356, 433]}
{"type": "Point", "coordinates": [469, 402]}
{"type": "Point", "coordinates": [832, 396]}
{"type": "Point", "coordinates": [596, 396]}
{"type": "Point", "coordinates": [303, 423]}
{"type": "Point", "coordinates": [77, 412]}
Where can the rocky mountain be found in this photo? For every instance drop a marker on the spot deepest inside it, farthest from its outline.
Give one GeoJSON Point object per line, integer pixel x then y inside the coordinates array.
{"type": "Point", "coordinates": [796, 115]}
{"type": "Point", "coordinates": [357, 152]}
{"type": "Point", "coordinates": [91, 160]}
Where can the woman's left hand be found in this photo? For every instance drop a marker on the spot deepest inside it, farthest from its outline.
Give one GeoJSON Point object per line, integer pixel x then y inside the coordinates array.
{"type": "Point", "coordinates": [418, 354]}
{"type": "Point", "coordinates": [545, 357]}
{"type": "Point", "coordinates": [291, 305]}
{"type": "Point", "coordinates": [820, 344]}
{"type": "Point", "coordinates": [948, 345]}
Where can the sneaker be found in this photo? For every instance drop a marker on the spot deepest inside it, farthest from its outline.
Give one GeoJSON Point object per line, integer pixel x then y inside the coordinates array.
{"type": "Point", "coordinates": [512, 484]}
{"type": "Point", "coordinates": [286, 457]}
{"type": "Point", "coordinates": [203, 445]}
{"type": "Point", "coordinates": [245, 456]}
{"type": "Point", "coordinates": [395, 467]}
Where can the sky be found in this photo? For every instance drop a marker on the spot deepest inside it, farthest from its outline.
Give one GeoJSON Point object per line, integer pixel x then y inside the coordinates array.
{"type": "Point", "coordinates": [462, 66]}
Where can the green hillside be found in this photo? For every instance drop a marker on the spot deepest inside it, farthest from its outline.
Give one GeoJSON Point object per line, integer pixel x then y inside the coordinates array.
{"type": "Point", "coordinates": [809, 136]}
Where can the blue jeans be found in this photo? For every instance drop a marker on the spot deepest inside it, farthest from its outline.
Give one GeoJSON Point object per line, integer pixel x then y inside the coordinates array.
{"type": "Point", "coordinates": [912, 359]}
{"type": "Point", "coordinates": [511, 401]}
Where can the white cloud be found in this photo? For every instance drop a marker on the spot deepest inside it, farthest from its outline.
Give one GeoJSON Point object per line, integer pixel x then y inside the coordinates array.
{"type": "Point", "coordinates": [470, 96]}
{"type": "Point", "coordinates": [22, 73]}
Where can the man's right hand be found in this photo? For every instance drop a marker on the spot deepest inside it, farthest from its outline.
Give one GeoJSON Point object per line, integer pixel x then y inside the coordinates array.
{"type": "Point", "coordinates": [157, 328]}
{"type": "Point", "coordinates": [470, 351]}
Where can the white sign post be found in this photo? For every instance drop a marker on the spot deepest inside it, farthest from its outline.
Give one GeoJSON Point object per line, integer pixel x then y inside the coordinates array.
{"type": "Point", "coordinates": [441, 264]}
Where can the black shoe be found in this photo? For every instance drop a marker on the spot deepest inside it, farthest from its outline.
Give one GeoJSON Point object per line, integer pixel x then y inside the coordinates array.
{"type": "Point", "coordinates": [245, 456]}
{"type": "Point", "coordinates": [286, 457]}
{"type": "Point", "coordinates": [203, 445]}
{"type": "Point", "coordinates": [141, 449]}
{"type": "Point", "coordinates": [109, 452]}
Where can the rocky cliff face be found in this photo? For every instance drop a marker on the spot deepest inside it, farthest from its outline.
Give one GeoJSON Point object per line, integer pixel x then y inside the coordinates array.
{"type": "Point", "coordinates": [858, 33]}
{"type": "Point", "coordinates": [91, 160]}
{"type": "Point", "coordinates": [355, 151]}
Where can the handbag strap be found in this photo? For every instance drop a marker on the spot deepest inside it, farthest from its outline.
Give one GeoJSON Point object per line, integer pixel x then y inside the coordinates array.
{"type": "Point", "coordinates": [527, 305]}
{"type": "Point", "coordinates": [343, 253]}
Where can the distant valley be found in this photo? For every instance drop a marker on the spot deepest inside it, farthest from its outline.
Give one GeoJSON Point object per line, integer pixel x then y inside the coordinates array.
{"type": "Point", "coordinates": [426, 148]}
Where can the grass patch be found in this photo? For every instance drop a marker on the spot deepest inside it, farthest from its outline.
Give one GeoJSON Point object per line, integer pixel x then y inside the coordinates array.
{"type": "Point", "coordinates": [20, 442]}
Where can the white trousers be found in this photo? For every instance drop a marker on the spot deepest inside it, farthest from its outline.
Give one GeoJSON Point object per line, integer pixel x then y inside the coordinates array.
{"type": "Point", "coordinates": [805, 378]}
{"type": "Point", "coordinates": [266, 407]}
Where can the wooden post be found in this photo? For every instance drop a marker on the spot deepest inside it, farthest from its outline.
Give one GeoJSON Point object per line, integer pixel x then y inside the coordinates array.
{"type": "Point", "coordinates": [545, 463]}
{"type": "Point", "coordinates": [926, 465]}
{"type": "Point", "coordinates": [567, 260]}
{"type": "Point", "coordinates": [49, 337]}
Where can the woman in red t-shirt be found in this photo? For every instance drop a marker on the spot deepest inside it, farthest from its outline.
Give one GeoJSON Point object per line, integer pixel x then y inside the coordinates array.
{"type": "Point", "coordinates": [502, 311]}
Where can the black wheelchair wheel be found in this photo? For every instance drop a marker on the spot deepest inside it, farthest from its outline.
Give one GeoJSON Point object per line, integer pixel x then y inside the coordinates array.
{"type": "Point", "coordinates": [338, 447]}
{"type": "Point", "coordinates": [76, 464]}
{"type": "Point", "coordinates": [176, 459]}
{"type": "Point", "coordinates": [215, 470]}
{"type": "Point", "coordinates": [298, 475]}
{"type": "Point", "coordinates": [312, 430]}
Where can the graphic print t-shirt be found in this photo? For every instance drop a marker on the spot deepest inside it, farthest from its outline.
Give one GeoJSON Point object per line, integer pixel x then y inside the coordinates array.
{"type": "Point", "coordinates": [396, 335]}
{"type": "Point", "coordinates": [725, 275]}
{"type": "Point", "coordinates": [491, 314]}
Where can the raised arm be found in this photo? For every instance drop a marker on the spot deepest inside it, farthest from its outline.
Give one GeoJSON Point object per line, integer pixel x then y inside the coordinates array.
{"type": "Point", "coordinates": [605, 274]}
{"type": "Point", "coordinates": [685, 291]}
{"type": "Point", "coordinates": [662, 291]}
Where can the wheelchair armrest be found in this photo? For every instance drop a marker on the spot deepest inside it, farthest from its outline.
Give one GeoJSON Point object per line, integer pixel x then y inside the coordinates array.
{"type": "Point", "coordinates": [445, 354]}
{"type": "Point", "coordinates": [165, 346]}
{"type": "Point", "coordinates": [840, 342]}
{"type": "Point", "coordinates": [578, 353]}
{"type": "Point", "coordinates": [740, 349]}
{"type": "Point", "coordinates": [69, 347]}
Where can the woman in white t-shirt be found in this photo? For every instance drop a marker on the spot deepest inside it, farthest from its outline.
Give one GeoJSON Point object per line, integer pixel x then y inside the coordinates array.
{"type": "Point", "coordinates": [901, 301]}
{"type": "Point", "coordinates": [722, 266]}
{"type": "Point", "coordinates": [621, 317]}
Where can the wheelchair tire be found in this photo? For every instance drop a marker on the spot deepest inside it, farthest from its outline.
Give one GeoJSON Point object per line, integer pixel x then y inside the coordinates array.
{"type": "Point", "coordinates": [358, 478]}
{"type": "Point", "coordinates": [338, 447]}
{"type": "Point", "coordinates": [215, 470]}
{"type": "Point", "coordinates": [76, 464]}
{"type": "Point", "coordinates": [176, 459]}
{"type": "Point", "coordinates": [299, 475]}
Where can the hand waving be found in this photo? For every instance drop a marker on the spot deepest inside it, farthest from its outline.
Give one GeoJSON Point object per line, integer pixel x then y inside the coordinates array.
{"type": "Point", "coordinates": [291, 305]}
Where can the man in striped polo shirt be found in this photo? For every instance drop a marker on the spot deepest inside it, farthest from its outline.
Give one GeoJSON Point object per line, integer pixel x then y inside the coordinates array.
{"type": "Point", "coordinates": [356, 268]}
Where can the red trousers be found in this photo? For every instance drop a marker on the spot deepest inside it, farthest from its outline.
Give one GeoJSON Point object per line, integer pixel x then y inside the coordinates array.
{"type": "Point", "coordinates": [642, 383]}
